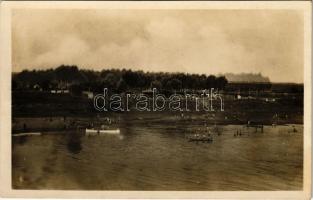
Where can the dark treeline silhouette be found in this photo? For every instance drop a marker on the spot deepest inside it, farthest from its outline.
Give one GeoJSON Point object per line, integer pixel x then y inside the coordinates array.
{"type": "Point", "coordinates": [76, 80]}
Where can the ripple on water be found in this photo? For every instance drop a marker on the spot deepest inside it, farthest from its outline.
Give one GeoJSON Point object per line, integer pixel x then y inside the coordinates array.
{"type": "Point", "coordinates": [160, 158]}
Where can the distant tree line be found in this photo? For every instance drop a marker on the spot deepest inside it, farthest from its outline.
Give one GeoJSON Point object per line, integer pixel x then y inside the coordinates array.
{"type": "Point", "coordinates": [77, 80]}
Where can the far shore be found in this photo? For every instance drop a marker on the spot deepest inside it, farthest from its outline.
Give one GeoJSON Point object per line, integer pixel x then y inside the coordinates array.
{"type": "Point", "coordinates": [64, 123]}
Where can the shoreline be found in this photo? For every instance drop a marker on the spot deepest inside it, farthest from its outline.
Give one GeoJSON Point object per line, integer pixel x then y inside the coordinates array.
{"type": "Point", "coordinates": [61, 123]}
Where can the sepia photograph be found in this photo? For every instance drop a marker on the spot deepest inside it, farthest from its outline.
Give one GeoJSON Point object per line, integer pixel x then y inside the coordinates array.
{"type": "Point", "coordinates": [159, 96]}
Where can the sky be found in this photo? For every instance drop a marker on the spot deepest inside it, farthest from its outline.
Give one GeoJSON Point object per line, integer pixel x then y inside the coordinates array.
{"type": "Point", "coordinates": [192, 41]}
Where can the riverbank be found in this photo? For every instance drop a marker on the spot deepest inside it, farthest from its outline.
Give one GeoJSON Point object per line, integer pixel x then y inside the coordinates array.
{"type": "Point", "coordinates": [115, 120]}
{"type": "Point", "coordinates": [44, 112]}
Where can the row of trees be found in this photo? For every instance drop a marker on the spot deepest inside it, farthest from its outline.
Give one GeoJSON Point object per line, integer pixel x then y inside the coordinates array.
{"type": "Point", "coordinates": [119, 80]}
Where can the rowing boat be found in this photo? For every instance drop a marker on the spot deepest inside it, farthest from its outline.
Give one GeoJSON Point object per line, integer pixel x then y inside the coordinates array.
{"type": "Point", "coordinates": [199, 137]}
{"type": "Point", "coordinates": [99, 131]}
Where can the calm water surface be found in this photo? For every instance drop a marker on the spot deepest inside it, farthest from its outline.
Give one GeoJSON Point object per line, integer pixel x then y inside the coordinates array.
{"type": "Point", "coordinates": [157, 157]}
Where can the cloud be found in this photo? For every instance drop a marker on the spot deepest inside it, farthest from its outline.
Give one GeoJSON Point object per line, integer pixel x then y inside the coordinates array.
{"type": "Point", "coordinates": [193, 41]}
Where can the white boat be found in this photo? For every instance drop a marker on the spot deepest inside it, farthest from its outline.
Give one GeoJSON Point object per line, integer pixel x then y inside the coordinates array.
{"type": "Point", "coordinates": [101, 131]}
{"type": "Point", "coordinates": [25, 134]}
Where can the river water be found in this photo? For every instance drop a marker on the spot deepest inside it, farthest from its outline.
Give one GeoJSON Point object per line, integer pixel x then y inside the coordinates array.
{"type": "Point", "coordinates": [159, 157]}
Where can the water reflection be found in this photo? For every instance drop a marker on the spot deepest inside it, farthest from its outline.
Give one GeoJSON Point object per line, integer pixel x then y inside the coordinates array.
{"type": "Point", "coordinates": [22, 140]}
{"type": "Point", "coordinates": [74, 145]}
{"type": "Point", "coordinates": [158, 157]}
